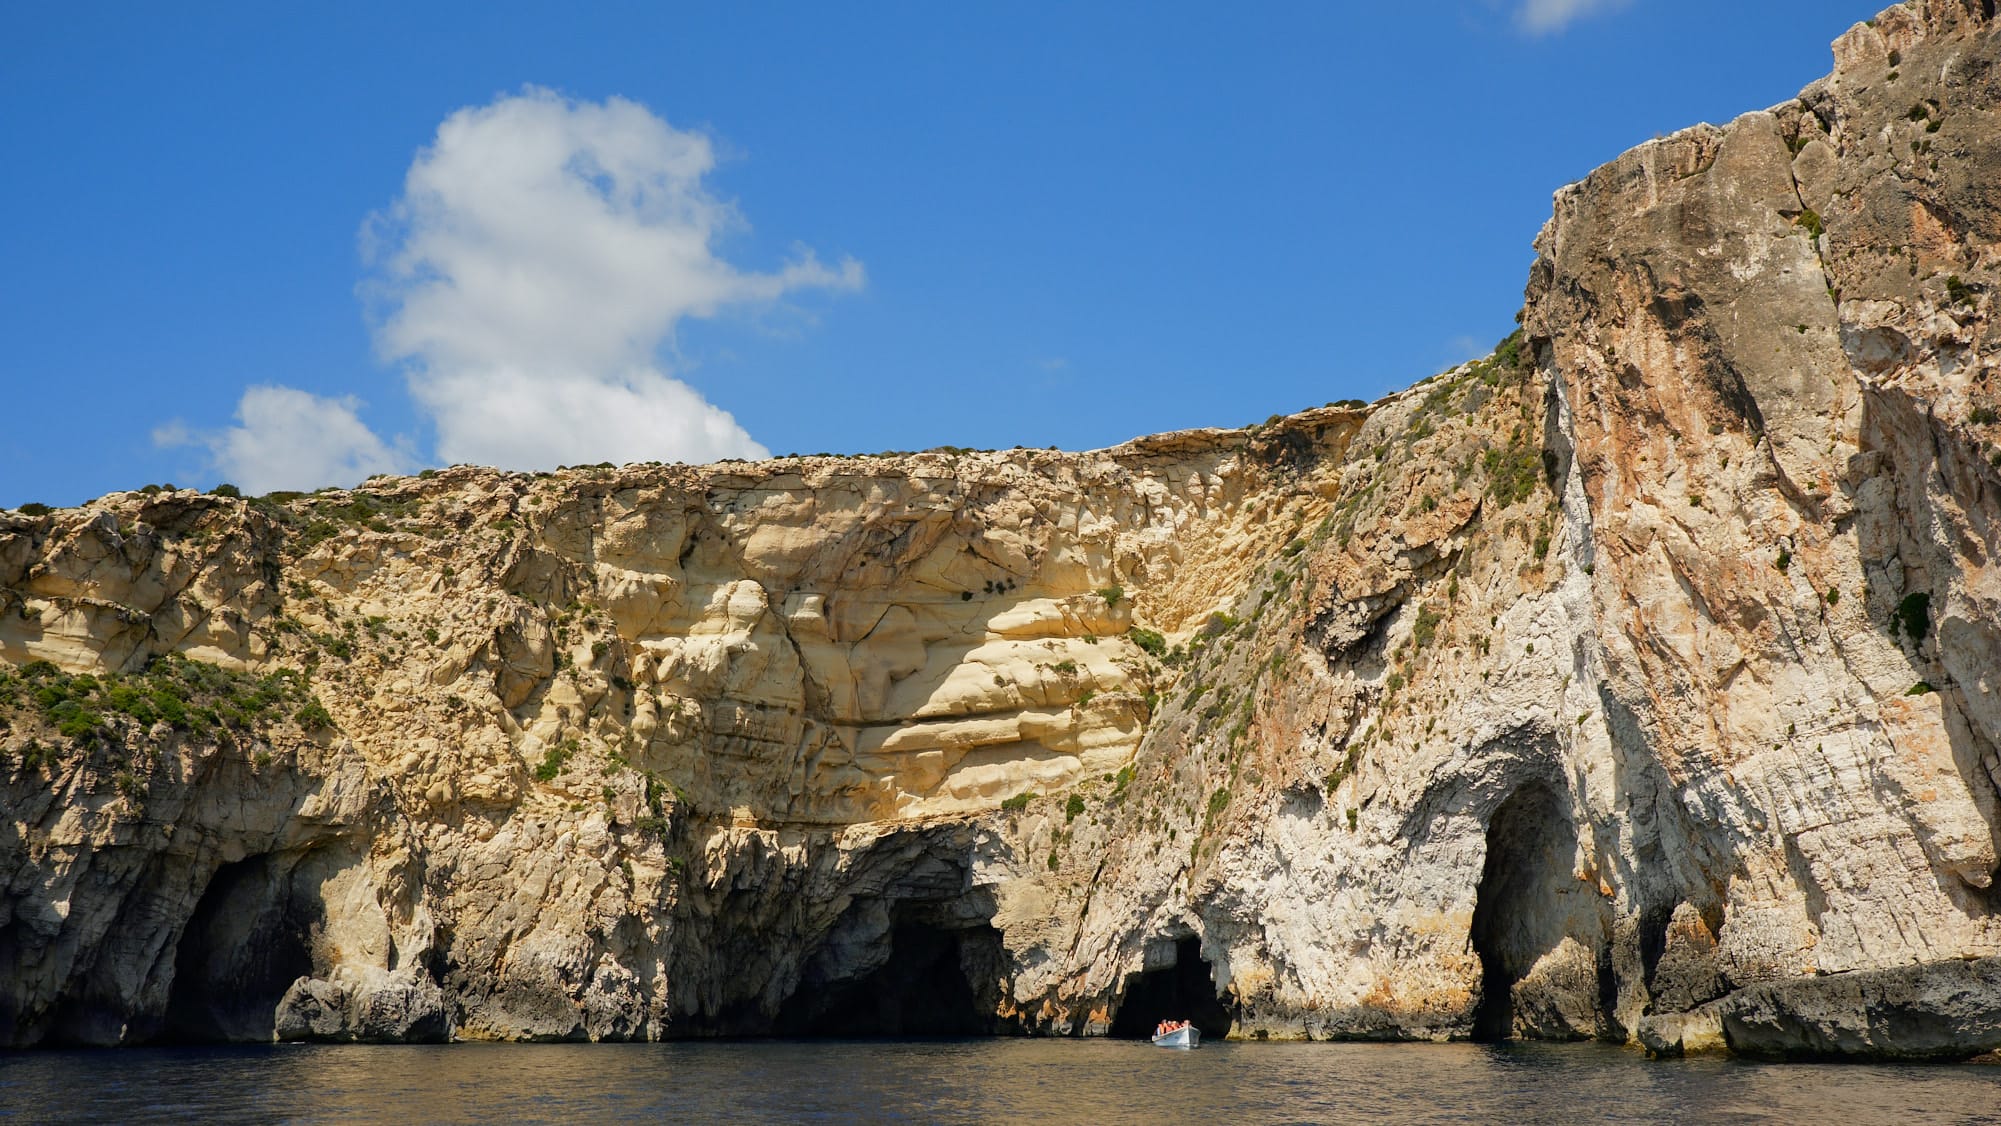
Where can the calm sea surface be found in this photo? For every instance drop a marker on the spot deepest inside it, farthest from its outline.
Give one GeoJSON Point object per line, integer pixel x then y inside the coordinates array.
{"type": "Point", "coordinates": [1006, 1081]}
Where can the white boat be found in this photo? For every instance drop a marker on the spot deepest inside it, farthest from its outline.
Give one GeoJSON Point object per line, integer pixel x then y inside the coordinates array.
{"type": "Point", "coordinates": [1187, 1036]}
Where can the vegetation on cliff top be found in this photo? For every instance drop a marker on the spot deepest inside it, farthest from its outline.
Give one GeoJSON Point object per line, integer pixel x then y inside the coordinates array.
{"type": "Point", "coordinates": [187, 695]}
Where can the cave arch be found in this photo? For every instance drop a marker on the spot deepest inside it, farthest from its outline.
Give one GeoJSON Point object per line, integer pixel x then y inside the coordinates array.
{"type": "Point", "coordinates": [938, 979]}
{"type": "Point", "coordinates": [1184, 989]}
{"type": "Point", "coordinates": [1518, 915]}
{"type": "Point", "coordinates": [247, 941]}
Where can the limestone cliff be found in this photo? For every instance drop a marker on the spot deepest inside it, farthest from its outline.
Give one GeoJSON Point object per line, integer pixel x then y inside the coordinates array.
{"type": "Point", "coordinates": [1635, 682]}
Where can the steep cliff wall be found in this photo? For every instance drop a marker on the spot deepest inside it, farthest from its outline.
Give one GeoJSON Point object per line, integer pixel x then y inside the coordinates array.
{"type": "Point", "coordinates": [1635, 682]}
{"type": "Point", "coordinates": [618, 750]}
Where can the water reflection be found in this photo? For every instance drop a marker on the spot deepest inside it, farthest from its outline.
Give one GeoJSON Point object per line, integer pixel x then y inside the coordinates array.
{"type": "Point", "coordinates": [1015, 1081]}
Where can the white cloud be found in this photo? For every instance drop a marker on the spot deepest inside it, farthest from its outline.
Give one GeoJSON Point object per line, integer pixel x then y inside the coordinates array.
{"type": "Point", "coordinates": [541, 255]}
{"type": "Point", "coordinates": [1464, 347]}
{"type": "Point", "coordinates": [1546, 17]}
{"type": "Point", "coordinates": [539, 259]}
{"type": "Point", "coordinates": [291, 439]}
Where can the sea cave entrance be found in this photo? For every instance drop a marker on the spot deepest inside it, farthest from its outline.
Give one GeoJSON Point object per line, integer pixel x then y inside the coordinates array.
{"type": "Point", "coordinates": [245, 944]}
{"type": "Point", "coordinates": [936, 980]}
{"type": "Point", "coordinates": [1517, 916]}
{"type": "Point", "coordinates": [1185, 989]}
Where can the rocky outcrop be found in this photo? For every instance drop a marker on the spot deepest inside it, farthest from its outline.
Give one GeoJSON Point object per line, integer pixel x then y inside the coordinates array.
{"type": "Point", "coordinates": [618, 753]}
{"type": "Point", "coordinates": [1937, 1010]}
{"type": "Point", "coordinates": [1633, 683]}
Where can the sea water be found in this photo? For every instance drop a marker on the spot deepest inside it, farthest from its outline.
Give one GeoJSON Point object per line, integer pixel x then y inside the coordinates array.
{"type": "Point", "coordinates": [1002, 1081]}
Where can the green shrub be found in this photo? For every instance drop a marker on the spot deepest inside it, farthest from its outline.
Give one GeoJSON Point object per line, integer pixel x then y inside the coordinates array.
{"type": "Point", "coordinates": [1921, 688]}
{"type": "Point", "coordinates": [34, 509]}
{"type": "Point", "coordinates": [1512, 472]}
{"type": "Point", "coordinates": [1066, 666]}
{"type": "Point", "coordinates": [1112, 594]}
{"type": "Point", "coordinates": [1217, 802]}
{"type": "Point", "coordinates": [131, 700]}
{"type": "Point", "coordinates": [313, 716]}
{"type": "Point", "coordinates": [34, 757]}
{"type": "Point", "coordinates": [1784, 561]}
{"type": "Point", "coordinates": [1426, 627]}
{"type": "Point", "coordinates": [1913, 616]}
{"type": "Point", "coordinates": [552, 763]}
{"type": "Point", "coordinates": [76, 722]}
{"type": "Point", "coordinates": [1073, 807]}
{"type": "Point", "coordinates": [1345, 769]}
{"type": "Point", "coordinates": [1018, 802]}
{"type": "Point", "coordinates": [1151, 642]}
{"type": "Point", "coordinates": [316, 532]}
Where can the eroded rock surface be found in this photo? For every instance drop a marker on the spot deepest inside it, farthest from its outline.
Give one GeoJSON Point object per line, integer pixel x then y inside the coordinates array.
{"type": "Point", "coordinates": [1636, 683]}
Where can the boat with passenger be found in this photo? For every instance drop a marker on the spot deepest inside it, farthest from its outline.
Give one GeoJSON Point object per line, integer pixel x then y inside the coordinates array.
{"type": "Point", "coordinates": [1177, 1034]}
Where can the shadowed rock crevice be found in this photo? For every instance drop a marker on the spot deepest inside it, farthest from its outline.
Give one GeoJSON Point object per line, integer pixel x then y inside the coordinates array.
{"type": "Point", "coordinates": [248, 940]}
{"type": "Point", "coordinates": [933, 981]}
{"type": "Point", "coordinates": [1516, 919]}
{"type": "Point", "coordinates": [1184, 989]}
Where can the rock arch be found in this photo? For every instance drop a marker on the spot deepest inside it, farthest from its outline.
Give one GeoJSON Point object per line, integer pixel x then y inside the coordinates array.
{"type": "Point", "coordinates": [1523, 911]}
{"type": "Point", "coordinates": [247, 941]}
{"type": "Point", "coordinates": [1181, 987]}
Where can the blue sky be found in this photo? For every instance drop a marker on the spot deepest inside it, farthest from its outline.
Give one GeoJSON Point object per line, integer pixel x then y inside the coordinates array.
{"type": "Point", "coordinates": [234, 243]}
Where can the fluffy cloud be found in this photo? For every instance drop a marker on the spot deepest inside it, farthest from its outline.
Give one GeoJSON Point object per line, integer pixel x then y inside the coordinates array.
{"type": "Point", "coordinates": [536, 264]}
{"type": "Point", "coordinates": [1543, 17]}
{"type": "Point", "coordinates": [291, 439]}
{"type": "Point", "coordinates": [541, 255]}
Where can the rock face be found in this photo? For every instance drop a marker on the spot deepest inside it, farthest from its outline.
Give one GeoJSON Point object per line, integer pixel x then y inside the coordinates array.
{"type": "Point", "coordinates": [1634, 683]}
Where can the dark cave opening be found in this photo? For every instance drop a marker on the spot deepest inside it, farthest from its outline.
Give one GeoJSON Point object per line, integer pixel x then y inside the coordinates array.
{"type": "Point", "coordinates": [936, 982]}
{"type": "Point", "coordinates": [244, 946]}
{"type": "Point", "coordinates": [1185, 990]}
{"type": "Point", "coordinates": [1516, 916]}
